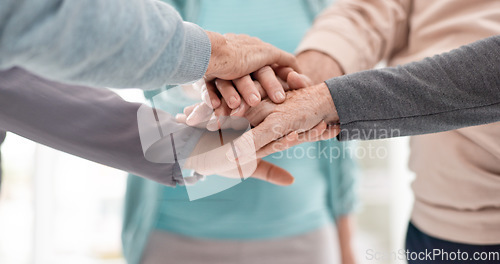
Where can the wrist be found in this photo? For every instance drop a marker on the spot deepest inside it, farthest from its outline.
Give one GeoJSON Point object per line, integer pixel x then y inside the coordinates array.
{"type": "Point", "coordinates": [319, 66]}
{"type": "Point", "coordinates": [327, 108]}
{"type": "Point", "coordinates": [218, 48]}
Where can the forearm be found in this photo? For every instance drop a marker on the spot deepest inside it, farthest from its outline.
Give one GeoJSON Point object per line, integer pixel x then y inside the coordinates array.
{"type": "Point", "coordinates": [357, 33]}
{"type": "Point", "coordinates": [318, 66]}
{"type": "Point", "coordinates": [138, 43]}
{"type": "Point", "coordinates": [91, 123]}
{"type": "Point", "coordinates": [445, 92]}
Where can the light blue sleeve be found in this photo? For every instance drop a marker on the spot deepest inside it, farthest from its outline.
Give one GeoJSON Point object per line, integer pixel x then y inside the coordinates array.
{"type": "Point", "coordinates": [343, 175]}
{"type": "Point", "coordinates": [115, 43]}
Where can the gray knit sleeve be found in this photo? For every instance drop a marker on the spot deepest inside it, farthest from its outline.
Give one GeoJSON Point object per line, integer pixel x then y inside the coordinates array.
{"type": "Point", "coordinates": [112, 43]}
{"type": "Point", "coordinates": [92, 123]}
{"type": "Point", "coordinates": [445, 92]}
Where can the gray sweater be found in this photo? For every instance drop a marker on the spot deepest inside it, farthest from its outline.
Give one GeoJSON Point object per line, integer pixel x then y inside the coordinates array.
{"type": "Point", "coordinates": [92, 123]}
{"type": "Point", "coordinates": [449, 91]}
{"type": "Point", "coordinates": [114, 43]}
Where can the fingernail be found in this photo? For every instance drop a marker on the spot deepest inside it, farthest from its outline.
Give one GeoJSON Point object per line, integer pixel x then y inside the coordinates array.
{"type": "Point", "coordinates": [280, 95]}
{"type": "Point", "coordinates": [233, 101]}
{"type": "Point", "coordinates": [254, 99]}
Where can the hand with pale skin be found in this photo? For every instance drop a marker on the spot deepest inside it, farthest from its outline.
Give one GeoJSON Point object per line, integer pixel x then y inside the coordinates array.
{"type": "Point", "coordinates": [274, 118]}
{"type": "Point", "coordinates": [318, 67]}
{"type": "Point", "coordinates": [209, 158]}
{"type": "Point", "coordinates": [221, 160]}
{"type": "Point", "coordinates": [313, 63]}
{"type": "Point", "coordinates": [305, 112]}
{"type": "Point", "coordinates": [235, 62]}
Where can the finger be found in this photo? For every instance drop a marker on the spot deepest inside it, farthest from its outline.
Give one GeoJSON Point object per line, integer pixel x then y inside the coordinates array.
{"type": "Point", "coordinates": [262, 92]}
{"type": "Point", "coordinates": [256, 115]}
{"type": "Point", "coordinates": [241, 110]}
{"type": "Point", "coordinates": [214, 123]}
{"type": "Point", "coordinates": [269, 81]}
{"type": "Point", "coordinates": [200, 114]}
{"type": "Point", "coordinates": [244, 107]}
{"type": "Point", "coordinates": [181, 118]}
{"type": "Point", "coordinates": [286, 59]}
{"type": "Point", "coordinates": [298, 81]}
{"type": "Point", "coordinates": [189, 109]}
{"type": "Point", "coordinates": [228, 92]}
{"type": "Point", "coordinates": [282, 72]}
{"type": "Point", "coordinates": [219, 116]}
{"type": "Point", "coordinates": [209, 94]}
{"type": "Point", "coordinates": [247, 90]}
{"type": "Point", "coordinates": [254, 139]}
{"type": "Point", "coordinates": [271, 173]}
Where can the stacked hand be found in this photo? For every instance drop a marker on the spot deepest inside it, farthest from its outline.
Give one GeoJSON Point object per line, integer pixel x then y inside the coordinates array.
{"type": "Point", "coordinates": [307, 114]}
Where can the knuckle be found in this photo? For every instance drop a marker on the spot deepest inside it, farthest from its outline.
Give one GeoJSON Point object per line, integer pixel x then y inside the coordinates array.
{"type": "Point", "coordinates": [266, 69]}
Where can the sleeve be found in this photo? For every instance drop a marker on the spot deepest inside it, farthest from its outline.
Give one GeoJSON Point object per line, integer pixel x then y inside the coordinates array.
{"type": "Point", "coordinates": [2, 138]}
{"type": "Point", "coordinates": [456, 89]}
{"type": "Point", "coordinates": [113, 43]}
{"type": "Point", "coordinates": [343, 176]}
{"type": "Point", "coordinates": [92, 123]}
{"type": "Point", "coordinates": [359, 33]}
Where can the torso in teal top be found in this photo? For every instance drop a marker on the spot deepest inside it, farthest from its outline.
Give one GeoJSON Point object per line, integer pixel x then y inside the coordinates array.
{"type": "Point", "coordinates": [255, 209]}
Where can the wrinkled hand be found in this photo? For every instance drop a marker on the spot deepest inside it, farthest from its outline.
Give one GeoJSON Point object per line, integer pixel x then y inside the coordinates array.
{"type": "Point", "coordinates": [234, 56]}
{"type": "Point", "coordinates": [303, 110]}
{"type": "Point", "coordinates": [298, 120]}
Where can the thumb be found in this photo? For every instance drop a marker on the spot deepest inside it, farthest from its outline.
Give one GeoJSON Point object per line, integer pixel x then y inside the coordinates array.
{"type": "Point", "coordinates": [297, 81]}
{"type": "Point", "coordinates": [271, 173]}
{"type": "Point", "coordinates": [256, 138]}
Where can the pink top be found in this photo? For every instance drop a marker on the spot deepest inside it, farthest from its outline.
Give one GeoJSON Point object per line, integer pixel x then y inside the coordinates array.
{"type": "Point", "coordinates": [457, 189]}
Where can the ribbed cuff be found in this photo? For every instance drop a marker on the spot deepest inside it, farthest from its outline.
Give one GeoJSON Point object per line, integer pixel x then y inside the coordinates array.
{"type": "Point", "coordinates": [195, 57]}
{"type": "Point", "coordinates": [350, 109]}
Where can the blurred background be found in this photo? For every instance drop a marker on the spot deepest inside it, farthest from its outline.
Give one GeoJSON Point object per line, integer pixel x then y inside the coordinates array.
{"type": "Point", "coordinates": [57, 208]}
